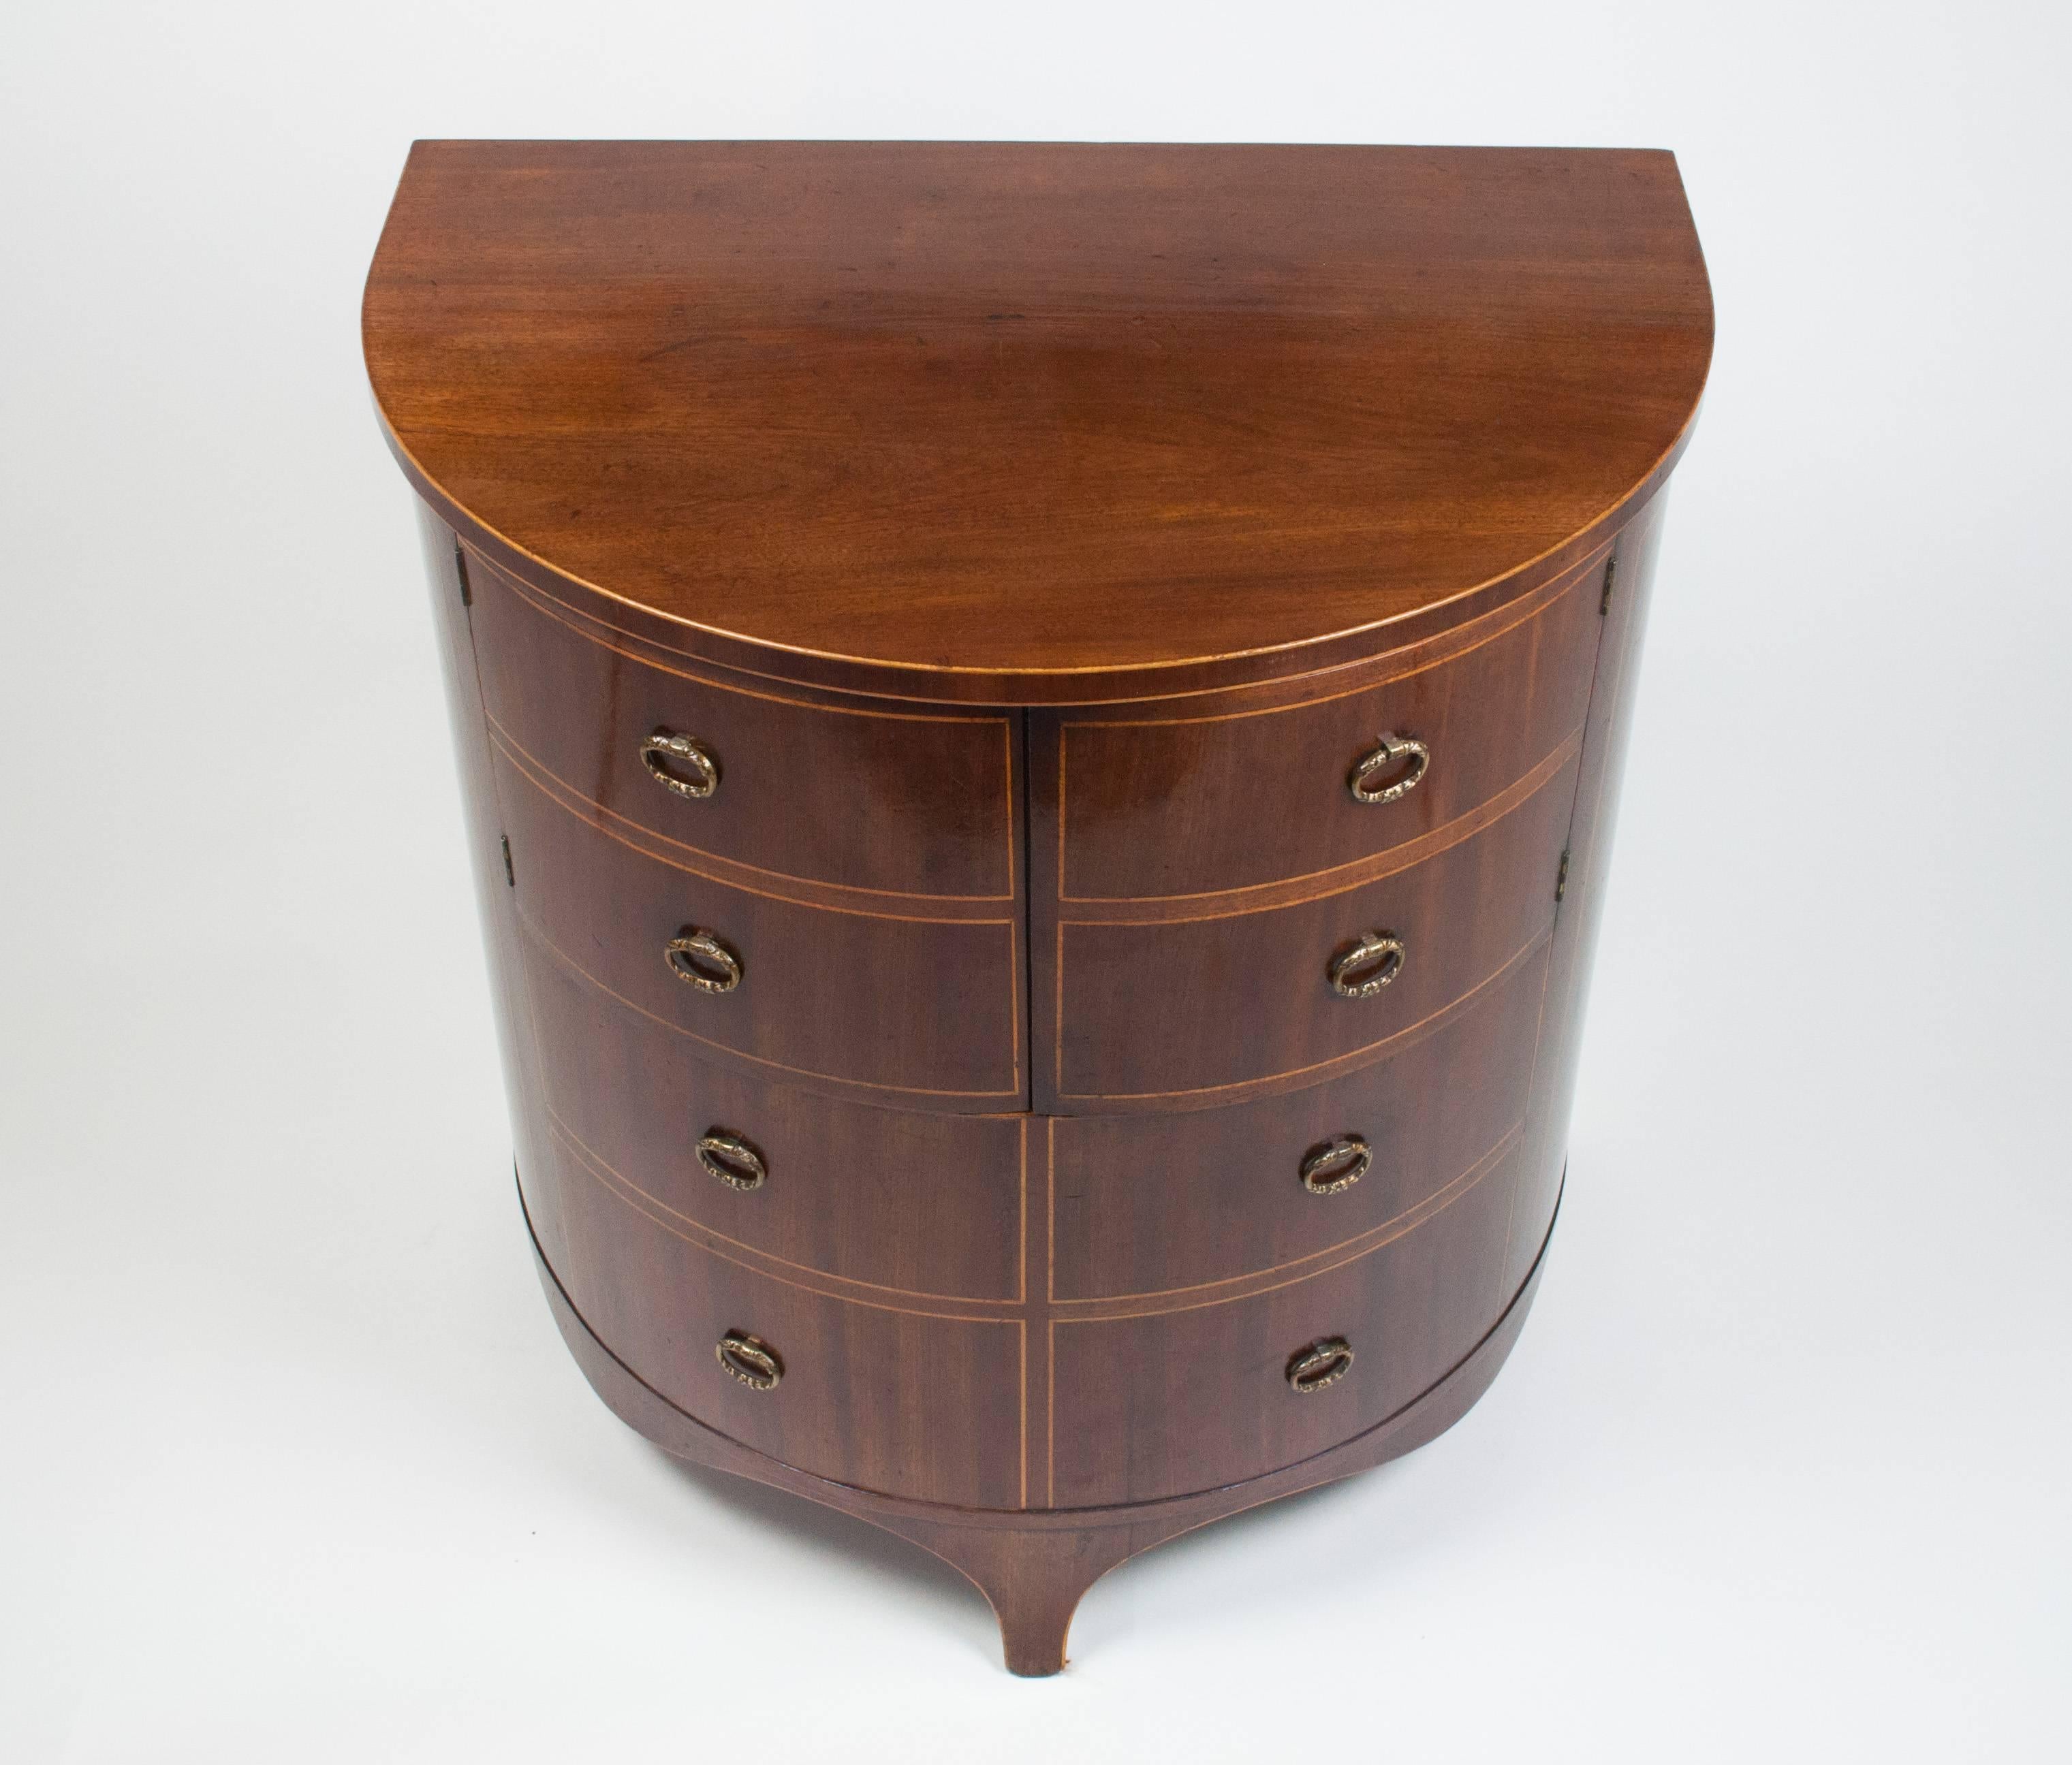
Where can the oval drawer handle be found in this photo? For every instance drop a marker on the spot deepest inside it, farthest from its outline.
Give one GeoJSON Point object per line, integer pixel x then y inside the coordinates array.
{"type": "Point", "coordinates": [1321, 1363]}
{"type": "Point", "coordinates": [732, 1159]}
{"type": "Point", "coordinates": [1382, 952]}
{"type": "Point", "coordinates": [1393, 751]}
{"type": "Point", "coordinates": [693, 955]}
{"type": "Point", "coordinates": [1336, 1165]}
{"type": "Point", "coordinates": [751, 1360]}
{"type": "Point", "coordinates": [661, 748]}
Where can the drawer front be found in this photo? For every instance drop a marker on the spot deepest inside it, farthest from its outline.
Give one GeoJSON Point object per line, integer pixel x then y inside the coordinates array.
{"type": "Point", "coordinates": [905, 802]}
{"type": "Point", "coordinates": [925, 1205]}
{"type": "Point", "coordinates": [1196, 805]}
{"type": "Point", "coordinates": [916, 1402]}
{"type": "Point", "coordinates": [1156, 1204]}
{"type": "Point", "coordinates": [1160, 1012]}
{"type": "Point", "coordinates": [925, 1009]}
{"type": "Point", "coordinates": [1165, 1405]}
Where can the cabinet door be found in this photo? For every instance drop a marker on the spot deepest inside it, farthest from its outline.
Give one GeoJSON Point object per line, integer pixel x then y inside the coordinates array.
{"type": "Point", "coordinates": [1172, 1402]}
{"type": "Point", "coordinates": [829, 1186]}
{"type": "Point", "coordinates": [926, 1009]}
{"type": "Point", "coordinates": [915, 802]}
{"type": "Point", "coordinates": [1167, 1205]}
{"type": "Point", "coordinates": [908, 1398]}
{"type": "Point", "coordinates": [1168, 1010]}
{"type": "Point", "coordinates": [1180, 800]}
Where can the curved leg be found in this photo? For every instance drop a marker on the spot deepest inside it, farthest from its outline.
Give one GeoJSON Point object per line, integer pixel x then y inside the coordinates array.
{"type": "Point", "coordinates": [1034, 1581]}
{"type": "Point", "coordinates": [1033, 1566]}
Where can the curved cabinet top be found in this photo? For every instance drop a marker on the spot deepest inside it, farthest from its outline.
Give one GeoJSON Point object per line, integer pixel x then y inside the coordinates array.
{"type": "Point", "coordinates": [1035, 424]}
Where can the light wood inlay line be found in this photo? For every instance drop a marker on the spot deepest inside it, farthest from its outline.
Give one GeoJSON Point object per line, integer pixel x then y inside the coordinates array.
{"type": "Point", "coordinates": [1242, 1089]}
{"type": "Point", "coordinates": [779, 1268]}
{"type": "Point", "coordinates": [575, 620]}
{"type": "Point", "coordinates": [802, 889]}
{"type": "Point", "coordinates": [1422, 657]}
{"type": "Point", "coordinates": [1345, 1250]}
{"type": "Point", "coordinates": [823, 897]}
{"type": "Point", "coordinates": [827, 1286]}
{"type": "Point", "coordinates": [1110, 1311]}
{"type": "Point", "coordinates": [538, 933]}
{"type": "Point", "coordinates": [1290, 891]}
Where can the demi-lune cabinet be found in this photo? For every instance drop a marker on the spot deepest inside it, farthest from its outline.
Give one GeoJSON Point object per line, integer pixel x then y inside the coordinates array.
{"type": "Point", "coordinates": [1039, 727]}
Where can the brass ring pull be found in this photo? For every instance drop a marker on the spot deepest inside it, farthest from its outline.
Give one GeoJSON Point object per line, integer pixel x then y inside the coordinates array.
{"type": "Point", "coordinates": [697, 958]}
{"type": "Point", "coordinates": [732, 1159]}
{"type": "Point", "coordinates": [1321, 1363]}
{"type": "Point", "coordinates": [750, 1360]}
{"type": "Point", "coordinates": [1385, 759]}
{"type": "Point", "coordinates": [1382, 952]}
{"type": "Point", "coordinates": [1336, 1165]}
{"type": "Point", "coordinates": [661, 748]}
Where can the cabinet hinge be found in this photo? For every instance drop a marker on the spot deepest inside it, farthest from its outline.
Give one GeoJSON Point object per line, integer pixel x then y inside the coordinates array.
{"type": "Point", "coordinates": [1605, 600]}
{"type": "Point", "coordinates": [1560, 875]}
{"type": "Point", "coordinates": [467, 594]}
{"type": "Point", "coordinates": [510, 876]}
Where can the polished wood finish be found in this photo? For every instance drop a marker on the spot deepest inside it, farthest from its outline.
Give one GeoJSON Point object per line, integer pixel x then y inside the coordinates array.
{"type": "Point", "coordinates": [847, 997]}
{"type": "Point", "coordinates": [812, 787]}
{"type": "Point", "coordinates": [1036, 538]}
{"type": "Point", "coordinates": [1178, 1401]}
{"type": "Point", "coordinates": [1186, 1010]}
{"type": "Point", "coordinates": [1034, 424]}
{"type": "Point", "coordinates": [1169, 1203]}
{"type": "Point", "coordinates": [922, 1398]}
{"type": "Point", "coordinates": [846, 1186]}
{"type": "Point", "coordinates": [1216, 796]}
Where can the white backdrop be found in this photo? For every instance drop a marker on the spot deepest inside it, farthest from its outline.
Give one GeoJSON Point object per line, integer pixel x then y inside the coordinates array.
{"type": "Point", "coordinates": [293, 1465]}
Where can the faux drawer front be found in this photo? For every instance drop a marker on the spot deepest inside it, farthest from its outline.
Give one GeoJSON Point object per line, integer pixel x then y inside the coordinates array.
{"type": "Point", "coordinates": [1196, 805]}
{"type": "Point", "coordinates": [917, 1401]}
{"type": "Point", "coordinates": [1160, 1205]}
{"type": "Point", "coordinates": [924, 1008]}
{"type": "Point", "coordinates": [896, 1200]}
{"type": "Point", "coordinates": [909, 803]}
{"type": "Point", "coordinates": [1151, 1011]}
{"type": "Point", "coordinates": [1168, 1404]}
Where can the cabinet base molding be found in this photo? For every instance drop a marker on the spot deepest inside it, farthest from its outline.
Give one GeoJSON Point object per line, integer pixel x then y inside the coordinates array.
{"type": "Point", "coordinates": [1034, 1565]}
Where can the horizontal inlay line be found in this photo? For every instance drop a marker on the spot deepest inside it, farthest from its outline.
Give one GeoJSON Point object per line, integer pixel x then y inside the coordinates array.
{"type": "Point", "coordinates": [824, 1282]}
{"type": "Point", "coordinates": [1238, 1090]}
{"type": "Point", "coordinates": [1247, 1286]}
{"type": "Point", "coordinates": [1117, 1308]}
{"type": "Point", "coordinates": [538, 933]}
{"type": "Point", "coordinates": [528, 760]}
{"type": "Point", "coordinates": [1445, 646]}
{"type": "Point", "coordinates": [575, 619]}
{"type": "Point", "coordinates": [1345, 1251]}
{"type": "Point", "coordinates": [1270, 896]}
{"type": "Point", "coordinates": [581, 809]}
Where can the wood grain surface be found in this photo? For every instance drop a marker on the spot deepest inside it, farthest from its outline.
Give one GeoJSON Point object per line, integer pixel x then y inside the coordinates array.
{"type": "Point", "coordinates": [1033, 423]}
{"type": "Point", "coordinates": [1035, 539]}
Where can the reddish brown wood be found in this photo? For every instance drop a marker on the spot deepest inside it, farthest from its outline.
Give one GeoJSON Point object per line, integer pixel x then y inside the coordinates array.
{"type": "Point", "coordinates": [812, 787]}
{"type": "Point", "coordinates": [1148, 1203]}
{"type": "Point", "coordinates": [1177, 1012]}
{"type": "Point", "coordinates": [1165, 480]}
{"type": "Point", "coordinates": [1215, 795]}
{"type": "Point", "coordinates": [914, 1397]}
{"type": "Point", "coordinates": [850, 999]}
{"type": "Point", "coordinates": [1178, 1401]}
{"type": "Point", "coordinates": [1035, 424]}
{"type": "Point", "coordinates": [1033, 1568]}
{"type": "Point", "coordinates": [849, 1188]}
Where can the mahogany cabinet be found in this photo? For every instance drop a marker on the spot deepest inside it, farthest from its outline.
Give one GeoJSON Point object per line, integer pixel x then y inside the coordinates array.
{"type": "Point", "coordinates": [1039, 727]}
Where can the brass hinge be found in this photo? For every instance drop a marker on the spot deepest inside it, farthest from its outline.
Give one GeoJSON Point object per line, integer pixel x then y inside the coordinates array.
{"type": "Point", "coordinates": [460, 569]}
{"type": "Point", "coordinates": [510, 876]}
{"type": "Point", "coordinates": [1605, 600]}
{"type": "Point", "coordinates": [1560, 875]}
